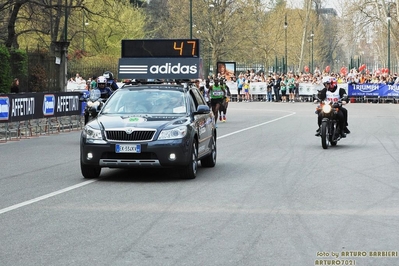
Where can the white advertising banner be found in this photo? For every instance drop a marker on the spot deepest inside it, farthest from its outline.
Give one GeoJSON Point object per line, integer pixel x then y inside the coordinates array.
{"type": "Point", "coordinates": [305, 89]}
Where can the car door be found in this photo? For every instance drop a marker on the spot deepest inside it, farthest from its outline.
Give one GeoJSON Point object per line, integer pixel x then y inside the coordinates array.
{"type": "Point", "coordinates": [203, 124]}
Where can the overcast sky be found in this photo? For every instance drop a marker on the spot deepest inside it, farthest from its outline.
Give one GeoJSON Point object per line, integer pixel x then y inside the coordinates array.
{"type": "Point", "coordinates": [325, 3]}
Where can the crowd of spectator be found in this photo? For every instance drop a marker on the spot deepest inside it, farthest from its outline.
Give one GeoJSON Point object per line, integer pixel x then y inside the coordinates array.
{"type": "Point", "coordinates": [82, 83]}
{"type": "Point", "coordinates": [279, 84]}
{"type": "Point", "coordinates": [353, 76]}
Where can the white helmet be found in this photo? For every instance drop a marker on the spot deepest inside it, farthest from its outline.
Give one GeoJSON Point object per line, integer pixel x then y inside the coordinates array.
{"type": "Point", "coordinates": [101, 79]}
{"type": "Point", "coordinates": [326, 79]}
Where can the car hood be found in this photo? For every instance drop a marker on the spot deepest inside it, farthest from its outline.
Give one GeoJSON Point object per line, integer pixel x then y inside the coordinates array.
{"type": "Point", "coordinates": [140, 121]}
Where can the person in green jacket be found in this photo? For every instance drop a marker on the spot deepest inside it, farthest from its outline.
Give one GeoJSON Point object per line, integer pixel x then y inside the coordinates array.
{"type": "Point", "coordinates": [291, 87]}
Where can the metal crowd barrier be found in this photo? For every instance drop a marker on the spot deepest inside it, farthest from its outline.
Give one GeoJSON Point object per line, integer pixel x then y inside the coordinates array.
{"type": "Point", "coordinates": [14, 131]}
{"type": "Point", "coordinates": [26, 115]}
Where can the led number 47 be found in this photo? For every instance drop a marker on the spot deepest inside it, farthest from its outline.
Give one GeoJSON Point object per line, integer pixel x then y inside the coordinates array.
{"type": "Point", "coordinates": [181, 47]}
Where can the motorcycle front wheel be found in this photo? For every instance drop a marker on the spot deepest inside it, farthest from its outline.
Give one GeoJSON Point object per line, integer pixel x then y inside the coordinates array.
{"type": "Point", "coordinates": [324, 134]}
{"type": "Point", "coordinates": [334, 134]}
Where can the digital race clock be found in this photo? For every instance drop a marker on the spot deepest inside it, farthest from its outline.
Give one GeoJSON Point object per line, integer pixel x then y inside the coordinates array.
{"type": "Point", "coordinates": [160, 48]}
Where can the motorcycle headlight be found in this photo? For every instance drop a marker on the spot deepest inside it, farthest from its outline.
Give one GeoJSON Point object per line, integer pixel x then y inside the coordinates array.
{"type": "Point", "coordinates": [326, 108]}
{"type": "Point", "coordinates": [93, 135]}
{"type": "Point", "coordinates": [174, 133]}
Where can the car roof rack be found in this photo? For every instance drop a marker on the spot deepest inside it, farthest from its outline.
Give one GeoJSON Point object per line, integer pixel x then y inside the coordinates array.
{"type": "Point", "coordinates": [157, 81]}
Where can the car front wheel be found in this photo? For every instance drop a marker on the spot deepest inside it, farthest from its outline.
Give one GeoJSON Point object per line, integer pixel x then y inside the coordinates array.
{"type": "Point", "coordinates": [89, 171]}
{"type": "Point", "coordinates": [210, 160]}
{"type": "Point", "coordinates": [190, 171]}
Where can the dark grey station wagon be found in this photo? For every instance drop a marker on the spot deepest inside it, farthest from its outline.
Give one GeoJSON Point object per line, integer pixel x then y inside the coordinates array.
{"type": "Point", "coordinates": [150, 125]}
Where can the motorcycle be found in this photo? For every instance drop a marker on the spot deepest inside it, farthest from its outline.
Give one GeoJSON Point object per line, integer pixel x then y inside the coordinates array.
{"type": "Point", "coordinates": [93, 104]}
{"type": "Point", "coordinates": [330, 131]}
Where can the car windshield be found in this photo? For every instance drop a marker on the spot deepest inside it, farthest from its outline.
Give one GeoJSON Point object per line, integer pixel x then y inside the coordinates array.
{"type": "Point", "coordinates": [146, 102]}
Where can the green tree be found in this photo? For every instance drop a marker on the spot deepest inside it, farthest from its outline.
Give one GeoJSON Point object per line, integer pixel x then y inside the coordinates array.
{"type": "Point", "coordinates": [19, 63]}
{"type": "Point", "coordinates": [250, 31]}
{"type": "Point", "coordinates": [5, 73]}
{"type": "Point", "coordinates": [34, 23]}
{"type": "Point", "coordinates": [366, 31]}
{"type": "Point", "coordinates": [219, 25]}
{"type": "Point", "coordinates": [119, 20]}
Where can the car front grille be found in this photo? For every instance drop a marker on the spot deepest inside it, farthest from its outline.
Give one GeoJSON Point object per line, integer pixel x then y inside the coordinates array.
{"type": "Point", "coordinates": [136, 135]}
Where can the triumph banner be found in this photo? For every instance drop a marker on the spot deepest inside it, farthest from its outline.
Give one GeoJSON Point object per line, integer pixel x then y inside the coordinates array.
{"type": "Point", "coordinates": [373, 90]}
{"type": "Point", "coordinates": [26, 106]}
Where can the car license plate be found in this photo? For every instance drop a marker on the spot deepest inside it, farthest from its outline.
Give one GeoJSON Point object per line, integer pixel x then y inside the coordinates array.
{"type": "Point", "coordinates": [128, 148]}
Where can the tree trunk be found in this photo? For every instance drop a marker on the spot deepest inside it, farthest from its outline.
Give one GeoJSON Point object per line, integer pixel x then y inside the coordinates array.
{"type": "Point", "coordinates": [12, 36]}
{"type": "Point", "coordinates": [304, 35]}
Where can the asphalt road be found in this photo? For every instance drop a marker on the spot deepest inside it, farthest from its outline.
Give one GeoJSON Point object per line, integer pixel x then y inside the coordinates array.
{"type": "Point", "coordinates": [275, 197]}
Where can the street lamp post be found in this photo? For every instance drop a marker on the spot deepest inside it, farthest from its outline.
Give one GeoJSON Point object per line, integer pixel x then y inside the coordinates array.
{"type": "Point", "coordinates": [191, 19]}
{"type": "Point", "coordinates": [209, 31]}
{"type": "Point", "coordinates": [311, 37]}
{"type": "Point", "coordinates": [389, 37]}
{"type": "Point", "coordinates": [84, 24]}
{"type": "Point", "coordinates": [63, 47]}
{"type": "Point", "coordinates": [285, 29]}
{"type": "Point", "coordinates": [309, 54]}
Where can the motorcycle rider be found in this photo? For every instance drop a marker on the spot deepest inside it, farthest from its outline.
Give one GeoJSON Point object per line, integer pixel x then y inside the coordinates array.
{"type": "Point", "coordinates": [102, 86]}
{"type": "Point", "coordinates": [331, 93]}
{"type": "Point", "coordinates": [110, 80]}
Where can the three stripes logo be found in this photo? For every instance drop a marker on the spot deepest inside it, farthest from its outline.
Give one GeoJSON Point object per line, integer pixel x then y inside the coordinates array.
{"type": "Point", "coordinates": [133, 69]}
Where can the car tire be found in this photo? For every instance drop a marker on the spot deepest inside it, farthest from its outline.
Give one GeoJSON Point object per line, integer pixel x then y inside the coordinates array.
{"type": "Point", "coordinates": [210, 160]}
{"type": "Point", "coordinates": [89, 171]}
{"type": "Point", "coordinates": [190, 171]}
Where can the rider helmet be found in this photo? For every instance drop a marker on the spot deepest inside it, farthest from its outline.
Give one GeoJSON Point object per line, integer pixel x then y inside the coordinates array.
{"type": "Point", "coordinates": [101, 80]}
{"type": "Point", "coordinates": [326, 80]}
{"type": "Point", "coordinates": [108, 75]}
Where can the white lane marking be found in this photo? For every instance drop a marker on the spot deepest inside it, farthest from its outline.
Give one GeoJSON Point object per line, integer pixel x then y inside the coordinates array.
{"type": "Point", "coordinates": [52, 194]}
{"type": "Point", "coordinates": [258, 125]}
{"type": "Point", "coordinates": [58, 192]}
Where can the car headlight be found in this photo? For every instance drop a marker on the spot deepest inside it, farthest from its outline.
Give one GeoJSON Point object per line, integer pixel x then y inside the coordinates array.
{"type": "Point", "coordinates": [174, 133]}
{"type": "Point", "coordinates": [326, 108]}
{"type": "Point", "coordinates": [93, 135]}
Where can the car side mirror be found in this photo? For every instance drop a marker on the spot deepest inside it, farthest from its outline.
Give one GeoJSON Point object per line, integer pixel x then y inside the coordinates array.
{"type": "Point", "coordinates": [203, 109]}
